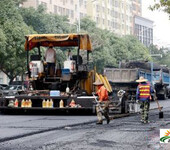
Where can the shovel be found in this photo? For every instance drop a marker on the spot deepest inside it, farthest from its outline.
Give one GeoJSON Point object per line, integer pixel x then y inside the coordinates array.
{"type": "Point", "coordinates": [98, 104]}
{"type": "Point", "coordinates": [161, 114]}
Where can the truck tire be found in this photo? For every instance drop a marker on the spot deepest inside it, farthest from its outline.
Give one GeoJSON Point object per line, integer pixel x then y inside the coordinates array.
{"type": "Point", "coordinates": [164, 97]}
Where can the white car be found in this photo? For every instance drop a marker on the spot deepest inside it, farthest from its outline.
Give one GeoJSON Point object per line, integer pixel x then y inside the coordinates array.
{"type": "Point", "coordinates": [13, 90]}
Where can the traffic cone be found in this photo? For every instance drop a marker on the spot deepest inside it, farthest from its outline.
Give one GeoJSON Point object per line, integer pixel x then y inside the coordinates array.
{"type": "Point", "coordinates": [16, 103]}
{"type": "Point", "coordinates": [72, 103]}
{"type": "Point", "coordinates": [61, 104]}
{"type": "Point", "coordinates": [23, 103]}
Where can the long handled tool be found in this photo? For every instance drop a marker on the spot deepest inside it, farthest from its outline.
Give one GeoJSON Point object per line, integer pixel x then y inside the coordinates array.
{"type": "Point", "coordinates": [161, 115]}
{"type": "Point", "coordinates": [98, 104]}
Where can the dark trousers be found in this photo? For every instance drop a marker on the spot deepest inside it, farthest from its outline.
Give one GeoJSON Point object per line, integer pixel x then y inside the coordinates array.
{"type": "Point", "coordinates": [51, 69]}
{"type": "Point", "coordinates": [105, 107]}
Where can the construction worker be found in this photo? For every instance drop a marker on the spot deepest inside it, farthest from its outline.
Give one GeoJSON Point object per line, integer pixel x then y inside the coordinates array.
{"type": "Point", "coordinates": [103, 100]}
{"type": "Point", "coordinates": [143, 94]}
{"type": "Point", "coordinates": [69, 55]}
{"type": "Point", "coordinates": [50, 58]}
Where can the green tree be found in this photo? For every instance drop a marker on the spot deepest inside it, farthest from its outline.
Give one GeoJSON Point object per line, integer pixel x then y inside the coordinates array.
{"type": "Point", "coordinates": [43, 23]}
{"type": "Point", "coordinates": [164, 60]}
{"type": "Point", "coordinates": [162, 4]}
{"type": "Point", "coordinates": [13, 29]}
{"type": "Point", "coordinates": [109, 49]}
{"type": "Point", "coordinates": [136, 50]}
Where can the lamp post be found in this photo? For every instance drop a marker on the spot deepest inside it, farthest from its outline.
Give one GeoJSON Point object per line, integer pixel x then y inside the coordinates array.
{"type": "Point", "coordinates": [78, 14]}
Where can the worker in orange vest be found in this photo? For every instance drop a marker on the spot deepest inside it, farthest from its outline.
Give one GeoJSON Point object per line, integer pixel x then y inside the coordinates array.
{"type": "Point", "coordinates": [103, 100]}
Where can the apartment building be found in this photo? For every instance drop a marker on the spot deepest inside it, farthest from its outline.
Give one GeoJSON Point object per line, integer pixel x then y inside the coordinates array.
{"type": "Point", "coordinates": [3, 78]}
{"type": "Point", "coordinates": [143, 30]}
{"type": "Point", "coordinates": [114, 15]}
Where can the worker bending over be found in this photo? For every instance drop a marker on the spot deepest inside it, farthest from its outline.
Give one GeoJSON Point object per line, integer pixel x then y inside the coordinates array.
{"type": "Point", "coordinates": [103, 100]}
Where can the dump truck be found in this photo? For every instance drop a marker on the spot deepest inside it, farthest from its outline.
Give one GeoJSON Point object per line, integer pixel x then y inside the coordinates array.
{"type": "Point", "coordinates": [126, 75]}
{"type": "Point", "coordinates": [69, 89]}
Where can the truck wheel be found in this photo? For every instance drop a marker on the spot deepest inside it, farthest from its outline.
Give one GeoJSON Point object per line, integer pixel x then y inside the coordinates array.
{"type": "Point", "coordinates": [164, 96]}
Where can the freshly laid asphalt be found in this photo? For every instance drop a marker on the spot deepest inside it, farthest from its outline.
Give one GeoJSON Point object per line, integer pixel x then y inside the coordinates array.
{"type": "Point", "coordinates": [13, 127]}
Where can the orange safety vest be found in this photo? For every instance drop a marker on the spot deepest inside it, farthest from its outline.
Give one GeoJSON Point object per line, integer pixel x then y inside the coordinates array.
{"type": "Point", "coordinates": [144, 91]}
{"type": "Point", "coordinates": [102, 93]}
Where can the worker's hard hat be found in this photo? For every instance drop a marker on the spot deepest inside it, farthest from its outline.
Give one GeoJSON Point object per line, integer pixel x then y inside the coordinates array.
{"type": "Point", "coordinates": [141, 79]}
{"type": "Point", "coordinates": [97, 82]}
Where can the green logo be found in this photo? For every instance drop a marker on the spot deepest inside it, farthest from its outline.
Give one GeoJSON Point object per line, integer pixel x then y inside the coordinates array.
{"type": "Point", "coordinates": [162, 139]}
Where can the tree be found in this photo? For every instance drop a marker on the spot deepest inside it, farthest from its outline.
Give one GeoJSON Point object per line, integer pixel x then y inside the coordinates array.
{"type": "Point", "coordinates": [109, 49]}
{"type": "Point", "coordinates": [162, 51]}
{"type": "Point", "coordinates": [43, 23]}
{"type": "Point", "coordinates": [162, 4]}
{"type": "Point", "coordinates": [136, 50]}
{"type": "Point", "coordinates": [13, 29]}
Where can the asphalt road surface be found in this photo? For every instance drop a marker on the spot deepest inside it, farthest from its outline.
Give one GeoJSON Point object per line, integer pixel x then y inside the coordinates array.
{"type": "Point", "coordinates": [81, 132]}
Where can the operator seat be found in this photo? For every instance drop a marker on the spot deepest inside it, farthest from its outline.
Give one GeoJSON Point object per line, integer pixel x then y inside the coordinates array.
{"type": "Point", "coordinates": [80, 59]}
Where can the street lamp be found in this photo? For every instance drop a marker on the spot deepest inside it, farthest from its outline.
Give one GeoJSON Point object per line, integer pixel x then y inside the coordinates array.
{"type": "Point", "coordinates": [77, 27]}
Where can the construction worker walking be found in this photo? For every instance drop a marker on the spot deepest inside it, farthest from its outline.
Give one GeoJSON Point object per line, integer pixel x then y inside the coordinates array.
{"type": "Point", "coordinates": [143, 94]}
{"type": "Point", "coordinates": [103, 102]}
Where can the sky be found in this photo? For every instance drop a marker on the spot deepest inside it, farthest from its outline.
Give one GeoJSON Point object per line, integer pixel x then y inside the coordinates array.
{"type": "Point", "coordinates": [161, 26]}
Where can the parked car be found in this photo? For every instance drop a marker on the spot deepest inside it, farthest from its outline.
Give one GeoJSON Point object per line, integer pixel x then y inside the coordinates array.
{"type": "Point", "coordinates": [2, 86]}
{"type": "Point", "coordinates": [13, 90]}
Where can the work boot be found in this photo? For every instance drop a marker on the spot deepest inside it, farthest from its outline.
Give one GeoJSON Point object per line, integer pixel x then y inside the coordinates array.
{"type": "Point", "coordinates": [142, 121]}
{"type": "Point", "coordinates": [108, 120]}
{"type": "Point", "coordinates": [146, 121]}
{"type": "Point", "coordinates": [99, 122]}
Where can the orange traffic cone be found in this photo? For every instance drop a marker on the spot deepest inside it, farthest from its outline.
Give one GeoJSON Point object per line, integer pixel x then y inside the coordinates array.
{"type": "Point", "coordinates": [72, 103]}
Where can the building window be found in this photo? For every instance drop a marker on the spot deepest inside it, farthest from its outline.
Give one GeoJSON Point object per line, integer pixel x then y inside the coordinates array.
{"type": "Point", "coordinates": [72, 14]}
{"type": "Point", "coordinates": [103, 21]}
{"type": "Point", "coordinates": [60, 10]}
{"type": "Point", "coordinates": [80, 2]}
{"type": "Point", "coordinates": [75, 7]}
{"type": "Point", "coordinates": [37, 3]}
{"type": "Point", "coordinates": [81, 15]}
{"type": "Point", "coordinates": [97, 8]}
{"type": "Point", "coordinates": [44, 4]}
{"type": "Point", "coordinates": [64, 13]}
{"type": "Point", "coordinates": [116, 3]}
{"type": "Point", "coordinates": [97, 20]}
{"type": "Point", "coordinates": [55, 9]}
{"type": "Point", "coordinates": [85, 4]}
{"type": "Point", "coordinates": [67, 12]}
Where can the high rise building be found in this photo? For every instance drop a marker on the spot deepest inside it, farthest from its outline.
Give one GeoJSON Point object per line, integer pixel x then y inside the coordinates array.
{"type": "Point", "coordinates": [143, 30]}
{"type": "Point", "coordinates": [3, 78]}
{"type": "Point", "coordinates": [113, 15]}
